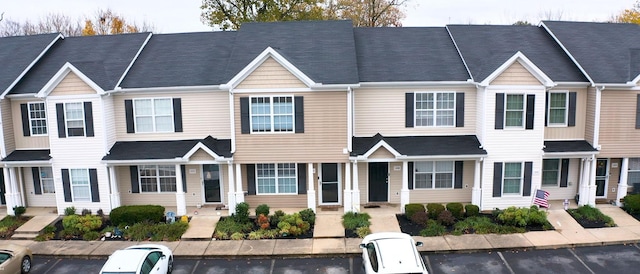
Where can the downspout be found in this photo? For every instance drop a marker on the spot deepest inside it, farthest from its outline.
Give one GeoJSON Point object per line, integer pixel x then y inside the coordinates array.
{"type": "Point", "coordinates": [349, 119]}
{"type": "Point", "coordinates": [232, 121]}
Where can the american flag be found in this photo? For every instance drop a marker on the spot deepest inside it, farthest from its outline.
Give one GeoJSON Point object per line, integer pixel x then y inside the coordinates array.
{"type": "Point", "coordinates": [541, 198]}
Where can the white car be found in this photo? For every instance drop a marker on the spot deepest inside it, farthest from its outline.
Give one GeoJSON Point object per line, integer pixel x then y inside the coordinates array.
{"type": "Point", "coordinates": [140, 259]}
{"type": "Point", "coordinates": [391, 252]}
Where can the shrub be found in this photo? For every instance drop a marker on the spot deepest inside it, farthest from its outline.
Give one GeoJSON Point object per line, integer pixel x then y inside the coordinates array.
{"type": "Point", "coordinates": [308, 216]}
{"type": "Point", "coordinates": [19, 210]}
{"type": "Point", "coordinates": [292, 224]}
{"type": "Point", "coordinates": [592, 214]}
{"type": "Point", "coordinates": [456, 210]}
{"type": "Point", "coordinates": [237, 236]}
{"type": "Point", "coordinates": [434, 210]}
{"type": "Point", "coordinates": [70, 211]}
{"type": "Point", "coordinates": [363, 231]}
{"type": "Point", "coordinates": [221, 235]}
{"type": "Point", "coordinates": [256, 235]}
{"type": "Point", "coordinates": [410, 209]}
{"type": "Point", "coordinates": [270, 234]}
{"type": "Point", "coordinates": [632, 204]}
{"type": "Point", "coordinates": [446, 218]}
{"type": "Point", "coordinates": [140, 231]}
{"type": "Point", "coordinates": [477, 225]}
{"type": "Point", "coordinates": [471, 210]}
{"type": "Point", "coordinates": [229, 225]}
{"type": "Point", "coordinates": [521, 217]}
{"type": "Point", "coordinates": [242, 213]}
{"type": "Point", "coordinates": [263, 221]}
{"type": "Point", "coordinates": [275, 219]}
{"type": "Point", "coordinates": [420, 218]}
{"type": "Point", "coordinates": [262, 209]}
{"type": "Point", "coordinates": [91, 235]}
{"type": "Point", "coordinates": [352, 220]}
{"type": "Point", "coordinates": [168, 232]}
{"type": "Point", "coordinates": [78, 225]}
{"type": "Point", "coordinates": [132, 214]}
{"type": "Point", "coordinates": [86, 212]}
{"type": "Point", "coordinates": [433, 229]}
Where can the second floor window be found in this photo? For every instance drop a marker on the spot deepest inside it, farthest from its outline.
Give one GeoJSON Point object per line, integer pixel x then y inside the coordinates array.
{"type": "Point", "coordinates": [153, 115]}
{"type": "Point", "coordinates": [435, 108]}
{"type": "Point", "coordinates": [557, 108]}
{"type": "Point", "coordinates": [514, 110]}
{"type": "Point", "coordinates": [37, 119]}
{"type": "Point", "coordinates": [74, 119]}
{"type": "Point", "coordinates": [160, 178]}
{"type": "Point", "coordinates": [272, 114]}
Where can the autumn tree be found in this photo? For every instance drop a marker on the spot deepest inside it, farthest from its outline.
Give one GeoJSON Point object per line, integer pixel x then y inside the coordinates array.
{"type": "Point", "coordinates": [108, 22]}
{"type": "Point", "coordinates": [371, 13]}
{"type": "Point", "coordinates": [631, 15]}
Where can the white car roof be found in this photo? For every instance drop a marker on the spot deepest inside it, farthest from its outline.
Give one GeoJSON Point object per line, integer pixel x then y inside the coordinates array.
{"type": "Point", "coordinates": [397, 252]}
{"type": "Point", "coordinates": [127, 260]}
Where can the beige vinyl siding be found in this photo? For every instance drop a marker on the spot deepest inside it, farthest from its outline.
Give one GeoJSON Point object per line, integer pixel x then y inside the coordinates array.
{"type": "Point", "coordinates": [44, 199]}
{"type": "Point", "coordinates": [382, 153]}
{"type": "Point", "coordinates": [203, 114]}
{"type": "Point", "coordinates": [323, 140]}
{"type": "Point", "coordinates": [274, 201]}
{"type": "Point", "coordinates": [614, 178]}
{"type": "Point", "coordinates": [271, 74]}
{"type": "Point", "coordinates": [28, 142]}
{"type": "Point", "coordinates": [461, 195]}
{"type": "Point", "coordinates": [201, 155]}
{"type": "Point", "coordinates": [590, 115]}
{"type": "Point", "coordinates": [516, 74]}
{"type": "Point", "coordinates": [7, 126]}
{"type": "Point", "coordinates": [570, 133]}
{"type": "Point", "coordinates": [617, 124]}
{"type": "Point", "coordinates": [72, 85]}
{"type": "Point", "coordinates": [378, 110]}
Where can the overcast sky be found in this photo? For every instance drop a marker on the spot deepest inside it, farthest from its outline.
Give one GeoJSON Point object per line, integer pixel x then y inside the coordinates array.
{"type": "Point", "coordinates": [170, 16]}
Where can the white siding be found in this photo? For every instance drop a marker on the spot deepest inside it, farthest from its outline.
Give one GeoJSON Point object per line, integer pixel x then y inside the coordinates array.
{"type": "Point", "coordinates": [109, 122]}
{"type": "Point", "coordinates": [569, 192]}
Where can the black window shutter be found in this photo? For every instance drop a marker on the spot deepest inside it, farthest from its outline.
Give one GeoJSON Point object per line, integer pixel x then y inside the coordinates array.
{"type": "Point", "coordinates": [299, 112]}
{"type": "Point", "coordinates": [66, 185]}
{"type": "Point", "coordinates": [88, 119]}
{"type": "Point", "coordinates": [528, 168]}
{"type": "Point", "coordinates": [546, 109]}
{"type": "Point", "coordinates": [460, 109]}
{"type": "Point", "coordinates": [531, 105]}
{"type": "Point", "coordinates": [2, 190]}
{"type": "Point", "coordinates": [183, 170]}
{"type": "Point", "coordinates": [251, 179]}
{"type": "Point", "coordinates": [571, 120]}
{"type": "Point", "coordinates": [244, 116]}
{"type": "Point", "coordinates": [24, 109]}
{"type": "Point", "coordinates": [409, 109]}
{"type": "Point", "coordinates": [410, 173]}
{"type": "Point", "coordinates": [302, 178]}
{"type": "Point", "coordinates": [638, 112]}
{"type": "Point", "coordinates": [62, 130]}
{"type": "Point", "coordinates": [458, 174]}
{"type": "Point", "coordinates": [128, 113]}
{"type": "Point", "coordinates": [177, 115]}
{"type": "Point", "coordinates": [499, 113]}
{"type": "Point", "coordinates": [93, 181]}
{"type": "Point", "coordinates": [37, 187]}
{"type": "Point", "coordinates": [135, 186]}
{"type": "Point", "coordinates": [564, 173]}
{"type": "Point", "coordinates": [497, 179]}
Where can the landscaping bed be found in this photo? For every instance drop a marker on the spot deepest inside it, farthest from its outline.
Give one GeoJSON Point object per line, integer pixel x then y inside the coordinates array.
{"type": "Point", "coordinates": [631, 205]}
{"type": "Point", "coordinates": [9, 224]}
{"type": "Point", "coordinates": [590, 217]}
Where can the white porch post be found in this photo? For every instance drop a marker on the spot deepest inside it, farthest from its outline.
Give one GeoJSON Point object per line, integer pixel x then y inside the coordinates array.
{"type": "Point", "coordinates": [348, 204]}
{"type": "Point", "coordinates": [311, 191]}
{"type": "Point", "coordinates": [592, 182]}
{"type": "Point", "coordinates": [476, 192]}
{"type": "Point", "coordinates": [181, 203]}
{"type": "Point", "coordinates": [231, 197]}
{"type": "Point", "coordinates": [8, 195]}
{"type": "Point", "coordinates": [356, 189]}
{"type": "Point", "coordinates": [15, 196]}
{"type": "Point", "coordinates": [584, 182]}
{"type": "Point", "coordinates": [623, 184]}
{"type": "Point", "coordinates": [404, 192]}
{"type": "Point", "coordinates": [114, 196]}
{"type": "Point", "coordinates": [239, 191]}
{"type": "Point", "coordinates": [20, 185]}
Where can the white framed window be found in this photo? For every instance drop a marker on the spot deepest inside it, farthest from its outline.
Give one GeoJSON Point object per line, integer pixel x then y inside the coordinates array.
{"type": "Point", "coordinates": [551, 172]}
{"type": "Point", "coordinates": [46, 180]}
{"type": "Point", "coordinates": [558, 108]}
{"type": "Point", "coordinates": [272, 114]}
{"type": "Point", "coordinates": [276, 178]}
{"type": "Point", "coordinates": [80, 188]}
{"type": "Point", "coordinates": [433, 175]}
{"type": "Point", "coordinates": [512, 178]}
{"type": "Point", "coordinates": [435, 109]}
{"type": "Point", "coordinates": [633, 175]}
{"type": "Point", "coordinates": [153, 115]}
{"type": "Point", "coordinates": [74, 119]}
{"type": "Point", "coordinates": [37, 118]}
{"type": "Point", "coordinates": [514, 110]}
{"type": "Point", "coordinates": [157, 178]}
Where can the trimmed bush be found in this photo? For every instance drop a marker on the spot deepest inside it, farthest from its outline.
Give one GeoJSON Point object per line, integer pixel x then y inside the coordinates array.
{"type": "Point", "coordinates": [363, 231]}
{"type": "Point", "coordinates": [353, 220]}
{"type": "Point", "coordinates": [433, 229]}
{"type": "Point", "coordinates": [434, 210]}
{"type": "Point", "coordinates": [86, 212]}
{"type": "Point", "coordinates": [446, 218]}
{"type": "Point", "coordinates": [456, 210]}
{"type": "Point", "coordinates": [262, 209]}
{"type": "Point", "coordinates": [410, 209]}
{"type": "Point", "coordinates": [275, 219]}
{"type": "Point", "coordinates": [308, 216]}
{"type": "Point", "coordinates": [70, 211]}
{"type": "Point", "coordinates": [420, 218]}
{"type": "Point", "coordinates": [522, 217]}
{"type": "Point", "coordinates": [592, 214]}
{"type": "Point", "coordinates": [77, 225]}
{"type": "Point", "coordinates": [132, 214]}
{"type": "Point", "coordinates": [293, 225]}
{"type": "Point", "coordinates": [91, 235]}
{"type": "Point", "coordinates": [632, 203]}
{"type": "Point", "coordinates": [242, 213]}
{"type": "Point", "coordinates": [19, 210]}
{"type": "Point", "coordinates": [471, 210]}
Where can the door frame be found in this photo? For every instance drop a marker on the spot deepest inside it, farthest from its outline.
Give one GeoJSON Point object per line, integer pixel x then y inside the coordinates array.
{"type": "Point", "coordinates": [388, 184]}
{"type": "Point", "coordinates": [220, 179]}
{"type": "Point", "coordinates": [339, 184]}
{"type": "Point", "coordinates": [606, 176]}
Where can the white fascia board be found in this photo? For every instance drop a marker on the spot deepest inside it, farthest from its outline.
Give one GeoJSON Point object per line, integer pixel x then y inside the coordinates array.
{"type": "Point", "coordinates": [444, 157]}
{"type": "Point", "coordinates": [21, 96]}
{"type": "Point", "coordinates": [198, 146]}
{"type": "Point", "coordinates": [572, 84]}
{"type": "Point", "coordinates": [634, 81]}
{"type": "Point", "coordinates": [59, 76]}
{"type": "Point", "coordinates": [384, 144]}
{"type": "Point", "coordinates": [551, 155]}
{"type": "Point", "coordinates": [26, 163]}
{"type": "Point", "coordinates": [166, 89]}
{"type": "Point", "coordinates": [455, 44]}
{"type": "Point", "coordinates": [143, 162]}
{"type": "Point", "coordinates": [4, 93]}
{"type": "Point", "coordinates": [417, 84]}
{"type": "Point", "coordinates": [617, 86]}
{"type": "Point", "coordinates": [524, 61]}
{"type": "Point", "coordinates": [270, 52]}
{"type": "Point", "coordinates": [566, 51]}
{"type": "Point", "coordinates": [126, 71]}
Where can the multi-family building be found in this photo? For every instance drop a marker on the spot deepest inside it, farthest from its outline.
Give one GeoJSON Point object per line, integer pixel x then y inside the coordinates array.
{"type": "Point", "coordinates": [310, 114]}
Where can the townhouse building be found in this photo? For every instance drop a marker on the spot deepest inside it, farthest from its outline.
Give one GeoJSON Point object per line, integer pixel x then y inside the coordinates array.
{"type": "Point", "coordinates": [312, 114]}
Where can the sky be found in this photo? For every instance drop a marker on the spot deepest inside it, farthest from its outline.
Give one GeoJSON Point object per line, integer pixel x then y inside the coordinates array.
{"type": "Point", "coordinates": [174, 16]}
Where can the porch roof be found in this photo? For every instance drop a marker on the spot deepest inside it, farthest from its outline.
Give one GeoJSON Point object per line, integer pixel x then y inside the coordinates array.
{"type": "Point", "coordinates": [422, 145]}
{"type": "Point", "coordinates": [164, 150]}
{"type": "Point", "coordinates": [34, 155]}
{"type": "Point", "coordinates": [568, 146]}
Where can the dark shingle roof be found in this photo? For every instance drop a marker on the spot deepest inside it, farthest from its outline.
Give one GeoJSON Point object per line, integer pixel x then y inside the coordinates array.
{"type": "Point", "coordinates": [486, 47]}
{"type": "Point", "coordinates": [422, 145]}
{"type": "Point", "coordinates": [608, 52]}
{"type": "Point", "coordinates": [103, 59]}
{"type": "Point", "coordinates": [407, 54]}
{"type": "Point", "coordinates": [568, 146]}
{"type": "Point", "coordinates": [17, 53]}
{"type": "Point", "coordinates": [28, 155]}
{"type": "Point", "coordinates": [184, 59]}
{"type": "Point", "coordinates": [156, 150]}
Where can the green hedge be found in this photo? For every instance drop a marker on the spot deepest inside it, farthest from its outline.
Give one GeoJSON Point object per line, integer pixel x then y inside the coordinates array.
{"type": "Point", "coordinates": [132, 214]}
{"type": "Point", "coordinates": [456, 209]}
{"type": "Point", "coordinates": [411, 209]}
{"type": "Point", "coordinates": [434, 210]}
{"type": "Point", "coordinates": [632, 203]}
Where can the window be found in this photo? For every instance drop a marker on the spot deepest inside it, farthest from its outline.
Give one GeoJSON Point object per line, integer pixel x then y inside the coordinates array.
{"type": "Point", "coordinates": [514, 111]}
{"type": "Point", "coordinates": [557, 108]}
{"type": "Point", "coordinates": [80, 188]}
{"type": "Point", "coordinates": [633, 175]}
{"type": "Point", "coordinates": [153, 115]}
{"type": "Point", "coordinates": [37, 119]}
{"type": "Point", "coordinates": [74, 119]}
{"type": "Point", "coordinates": [550, 172]}
{"type": "Point", "coordinates": [512, 178]}
{"type": "Point", "coordinates": [431, 174]}
{"type": "Point", "coordinates": [46, 180]}
{"type": "Point", "coordinates": [373, 256]}
{"type": "Point", "coordinates": [160, 178]}
{"type": "Point", "coordinates": [272, 114]}
{"type": "Point", "coordinates": [435, 108]}
{"type": "Point", "coordinates": [276, 178]}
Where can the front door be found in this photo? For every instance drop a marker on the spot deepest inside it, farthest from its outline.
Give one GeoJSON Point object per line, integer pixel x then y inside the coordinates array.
{"type": "Point", "coordinates": [602, 175]}
{"type": "Point", "coordinates": [330, 184]}
{"type": "Point", "coordinates": [211, 181]}
{"type": "Point", "coordinates": [378, 182]}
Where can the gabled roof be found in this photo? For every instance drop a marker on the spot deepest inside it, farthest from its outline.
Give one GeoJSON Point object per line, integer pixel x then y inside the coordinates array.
{"type": "Point", "coordinates": [460, 145]}
{"type": "Point", "coordinates": [608, 52]}
{"type": "Point", "coordinates": [103, 59]}
{"type": "Point", "coordinates": [183, 59]}
{"type": "Point", "coordinates": [485, 48]}
{"type": "Point", "coordinates": [407, 54]}
{"type": "Point", "coordinates": [165, 150]}
{"type": "Point", "coordinates": [19, 53]}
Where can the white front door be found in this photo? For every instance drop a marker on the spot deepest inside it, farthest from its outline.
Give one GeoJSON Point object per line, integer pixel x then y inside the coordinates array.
{"type": "Point", "coordinates": [330, 184]}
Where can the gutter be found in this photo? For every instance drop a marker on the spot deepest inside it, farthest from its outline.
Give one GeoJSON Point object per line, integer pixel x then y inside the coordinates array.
{"type": "Point", "coordinates": [417, 83]}
{"type": "Point", "coordinates": [165, 89]}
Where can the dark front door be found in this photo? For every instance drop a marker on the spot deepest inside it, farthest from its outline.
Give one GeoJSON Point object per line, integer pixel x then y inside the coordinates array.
{"type": "Point", "coordinates": [378, 182]}
{"type": "Point", "coordinates": [601, 177]}
{"type": "Point", "coordinates": [211, 179]}
{"type": "Point", "coordinates": [2, 190]}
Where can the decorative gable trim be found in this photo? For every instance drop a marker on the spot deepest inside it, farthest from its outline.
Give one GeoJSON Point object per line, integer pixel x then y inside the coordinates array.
{"type": "Point", "coordinates": [61, 74]}
{"type": "Point", "coordinates": [526, 63]}
{"type": "Point", "coordinates": [575, 61]}
{"type": "Point", "coordinates": [199, 146]}
{"type": "Point", "coordinates": [384, 144]}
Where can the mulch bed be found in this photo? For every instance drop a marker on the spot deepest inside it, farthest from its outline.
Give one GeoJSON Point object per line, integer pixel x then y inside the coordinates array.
{"type": "Point", "coordinates": [307, 235]}
{"type": "Point", "coordinates": [413, 229]}
{"type": "Point", "coordinates": [590, 224]}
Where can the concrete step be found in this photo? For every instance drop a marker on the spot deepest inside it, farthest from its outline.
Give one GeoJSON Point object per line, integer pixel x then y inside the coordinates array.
{"type": "Point", "coordinates": [36, 224]}
{"type": "Point", "coordinates": [200, 228]}
{"type": "Point", "coordinates": [24, 236]}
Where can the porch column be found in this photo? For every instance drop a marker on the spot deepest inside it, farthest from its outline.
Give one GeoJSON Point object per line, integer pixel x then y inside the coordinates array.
{"type": "Point", "coordinates": [231, 197]}
{"type": "Point", "coordinates": [584, 182]}
{"type": "Point", "coordinates": [355, 194]}
{"type": "Point", "coordinates": [347, 203]}
{"type": "Point", "coordinates": [8, 195]}
{"type": "Point", "coordinates": [311, 191]}
{"type": "Point", "coordinates": [114, 196]}
{"type": "Point", "coordinates": [404, 192]}
{"type": "Point", "coordinates": [181, 203]}
{"type": "Point", "coordinates": [20, 185]}
{"type": "Point", "coordinates": [476, 191]}
{"type": "Point", "coordinates": [15, 196]}
{"type": "Point", "coordinates": [239, 191]}
{"type": "Point", "coordinates": [623, 184]}
{"type": "Point", "coordinates": [592, 182]}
